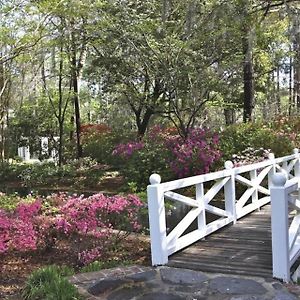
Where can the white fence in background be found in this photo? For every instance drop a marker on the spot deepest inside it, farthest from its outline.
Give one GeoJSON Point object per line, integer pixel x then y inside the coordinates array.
{"type": "Point", "coordinates": [242, 189]}
{"type": "Point", "coordinates": [24, 151]}
{"type": "Point", "coordinates": [285, 207]}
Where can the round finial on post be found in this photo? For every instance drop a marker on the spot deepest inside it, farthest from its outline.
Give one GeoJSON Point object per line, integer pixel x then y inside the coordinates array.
{"type": "Point", "coordinates": [296, 151]}
{"type": "Point", "coordinates": [228, 164]}
{"type": "Point", "coordinates": [271, 156]}
{"type": "Point", "coordinates": [279, 179]}
{"type": "Point", "coordinates": [155, 179]}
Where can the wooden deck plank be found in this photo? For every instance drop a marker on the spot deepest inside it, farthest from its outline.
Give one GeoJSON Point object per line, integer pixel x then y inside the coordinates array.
{"type": "Point", "coordinates": [242, 249]}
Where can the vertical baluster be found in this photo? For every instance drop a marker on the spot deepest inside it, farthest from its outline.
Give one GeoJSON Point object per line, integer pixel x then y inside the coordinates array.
{"type": "Point", "coordinates": [272, 171]}
{"type": "Point", "coordinates": [285, 167]}
{"type": "Point", "coordinates": [229, 192]}
{"type": "Point", "coordinates": [253, 176]}
{"type": "Point", "coordinates": [280, 228]}
{"type": "Point", "coordinates": [200, 200]}
{"type": "Point", "coordinates": [157, 221]}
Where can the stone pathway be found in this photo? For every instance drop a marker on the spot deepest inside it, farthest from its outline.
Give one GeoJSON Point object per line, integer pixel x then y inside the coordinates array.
{"type": "Point", "coordinates": [165, 283]}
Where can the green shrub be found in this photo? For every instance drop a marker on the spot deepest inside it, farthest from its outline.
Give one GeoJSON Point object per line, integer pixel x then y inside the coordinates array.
{"type": "Point", "coordinates": [46, 172]}
{"type": "Point", "coordinates": [10, 202]}
{"type": "Point", "coordinates": [236, 138]}
{"type": "Point", "coordinates": [49, 283]}
{"type": "Point", "coordinates": [11, 171]}
{"type": "Point", "coordinates": [140, 159]}
{"type": "Point", "coordinates": [99, 145]}
{"type": "Point", "coordinates": [164, 152]}
{"type": "Point", "coordinates": [142, 164]}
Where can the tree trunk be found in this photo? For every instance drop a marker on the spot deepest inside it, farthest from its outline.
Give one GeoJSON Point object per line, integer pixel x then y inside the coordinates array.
{"type": "Point", "coordinates": [278, 91]}
{"type": "Point", "coordinates": [229, 114]}
{"type": "Point", "coordinates": [2, 110]}
{"type": "Point", "coordinates": [60, 146]}
{"type": "Point", "coordinates": [74, 84]}
{"type": "Point", "coordinates": [248, 75]}
{"type": "Point", "coordinates": [291, 106]}
{"type": "Point", "coordinates": [72, 131]}
{"type": "Point", "coordinates": [77, 114]}
{"type": "Point", "coordinates": [297, 75]}
{"type": "Point", "coordinates": [142, 123]}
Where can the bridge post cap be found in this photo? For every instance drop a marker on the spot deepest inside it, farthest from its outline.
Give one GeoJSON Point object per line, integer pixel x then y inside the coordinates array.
{"type": "Point", "coordinates": [296, 151]}
{"type": "Point", "coordinates": [279, 179]}
{"type": "Point", "coordinates": [271, 156]}
{"type": "Point", "coordinates": [228, 164]}
{"type": "Point", "coordinates": [155, 179]}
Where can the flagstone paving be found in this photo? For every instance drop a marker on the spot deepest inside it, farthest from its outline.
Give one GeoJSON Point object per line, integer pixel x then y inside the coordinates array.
{"type": "Point", "coordinates": [165, 283]}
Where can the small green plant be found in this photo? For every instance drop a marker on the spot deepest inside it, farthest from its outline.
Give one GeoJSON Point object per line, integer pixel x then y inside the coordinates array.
{"type": "Point", "coordinates": [49, 283]}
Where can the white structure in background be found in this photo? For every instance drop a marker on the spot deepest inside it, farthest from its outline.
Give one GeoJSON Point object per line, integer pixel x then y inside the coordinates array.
{"type": "Point", "coordinates": [24, 151]}
{"type": "Point", "coordinates": [45, 145]}
{"type": "Point", "coordinates": [54, 152]}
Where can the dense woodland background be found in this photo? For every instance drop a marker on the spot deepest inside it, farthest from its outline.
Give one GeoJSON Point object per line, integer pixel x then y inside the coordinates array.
{"type": "Point", "coordinates": [132, 64]}
{"type": "Point", "coordinates": [123, 89]}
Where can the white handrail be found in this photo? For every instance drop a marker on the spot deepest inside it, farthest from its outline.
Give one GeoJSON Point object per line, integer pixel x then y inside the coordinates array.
{"type": "Point", "coordinates": [256, 178]}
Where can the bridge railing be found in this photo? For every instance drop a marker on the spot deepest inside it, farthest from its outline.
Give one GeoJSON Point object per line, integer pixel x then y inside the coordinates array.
{"type": "Point", "coordinates": [285, 207]}
{"type": "Point", "coordinates": [241, 190]}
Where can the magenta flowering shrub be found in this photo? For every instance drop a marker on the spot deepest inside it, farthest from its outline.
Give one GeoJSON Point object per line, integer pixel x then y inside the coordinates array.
{"type": "Point", "coordinates": [126, 150]}
{"type": "Point", "coordinates": [89, 215]}
{"type": "Point", "coordinates": [195, 154]}
{"type": "Point", "coordinates": [17, 228]}
{"type": "Point", "coordinates": [99, 219]}
{"type": "Point", "coordinates": [165, 152]}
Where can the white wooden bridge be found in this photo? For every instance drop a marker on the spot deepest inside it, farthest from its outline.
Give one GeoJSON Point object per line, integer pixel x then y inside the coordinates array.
{"type": "Point", "coordinates": [263, 240]}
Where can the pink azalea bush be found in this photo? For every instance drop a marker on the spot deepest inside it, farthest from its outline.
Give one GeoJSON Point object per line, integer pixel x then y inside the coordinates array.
{"type": "Point", "coordinates": [17, 228]}
{"type": "Point", "coordinates": [40, 224]}
{"type": "Point", "coordinates": [127, 149]}
{"type": "Point", "coordinates": [165, 152]}
{"type": "Point", "coordinates": [195, 154]}
{"type": "Point", "coordinates": [88, 215]}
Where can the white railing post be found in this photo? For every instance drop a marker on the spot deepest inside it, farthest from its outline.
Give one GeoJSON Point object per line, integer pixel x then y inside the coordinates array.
{"type": "Point", "coordinates": [297, 167]}
{"type": "Point", "coordinates": [297, 164]}
{"type": "Point", "coordinates": [157, 221]}
{"type": "Point", "coordinates": [280, 227]}
{"type": "Point", "coordinates": [229, 191]}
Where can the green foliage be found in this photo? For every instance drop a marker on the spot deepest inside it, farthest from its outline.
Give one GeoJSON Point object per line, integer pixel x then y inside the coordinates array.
{"type": "Point", "coordinates": [11, 171]}
{"type": "Point", "coordinates": [153, 158]}
{"type": "Point", "coordinates": [236, 138]}
{"type": "Point", "coordinates": [99, 145]}
{"type": "Point", "coordinates": [82, 172]}
{"type": "Point", "coordinates": [49, 283]}
{"type": "Point", "coordinates": [143, 163]}
{"type": "Point", "coordinates": [23, 129]}
{"type": "Point", "coordinates": [10, 202]}
{"type": "Point", "coordinates": [36, 174]}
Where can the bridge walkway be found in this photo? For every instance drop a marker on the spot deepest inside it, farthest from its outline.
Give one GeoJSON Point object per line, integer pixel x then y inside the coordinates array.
{"type": "Point", "coordinates": [242, 249]}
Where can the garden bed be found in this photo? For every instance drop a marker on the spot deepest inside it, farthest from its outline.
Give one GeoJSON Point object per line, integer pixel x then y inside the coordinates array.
{"type": "Point", "coordinates": [82, 233]}
{"type": "Point", "coordinates": [15, 267]}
